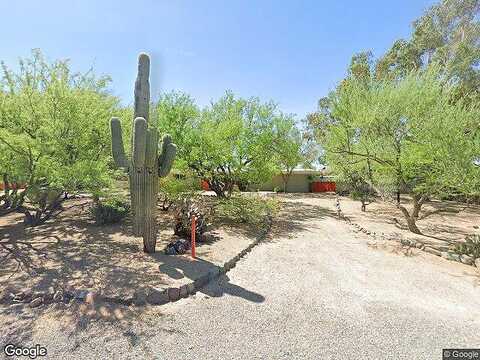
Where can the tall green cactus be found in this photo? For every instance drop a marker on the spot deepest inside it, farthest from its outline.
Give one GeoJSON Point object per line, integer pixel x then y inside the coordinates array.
{"type": "Point", "coordinates": [145, 166]}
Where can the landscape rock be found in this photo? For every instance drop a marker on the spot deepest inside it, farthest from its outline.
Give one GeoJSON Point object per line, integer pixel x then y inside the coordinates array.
{"type": "Point", "coordinates": [173, 293]}
{"type": "Point", "coordinates": [191, 288]}
{"type": "Point", "coordinates": [466, 259]}
{"type": "Point", "coordinates": [477, 262]}
{"type": "Point", "coordinates": [184, 291]}
{"type": "Point", "coordinates": [140, 297]}
{"type": "Point", "coordinates": [432, 251]}
{"type": "Point", "coordinates": [58, 296]}
{"type": "Point", "coordinates": [157, 297]}
{"type": "Point", "coordinates": [36, 302]}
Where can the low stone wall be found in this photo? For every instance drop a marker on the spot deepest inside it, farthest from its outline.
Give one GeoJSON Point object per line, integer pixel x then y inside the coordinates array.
{"type": "Point", "coordinates": [444, 251]}
{"type": "Point", "coordinates": [141, 297]}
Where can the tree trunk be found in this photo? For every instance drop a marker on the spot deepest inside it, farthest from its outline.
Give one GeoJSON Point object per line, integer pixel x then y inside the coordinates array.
{"type": "Point", "coordinates": [418, 201]}
{"type": "Point", "coordinates": [38, 216]}
{"type": "Point", "coordinates": [364, 206]}
{"type": "Point", "coordinates": [221, 189]}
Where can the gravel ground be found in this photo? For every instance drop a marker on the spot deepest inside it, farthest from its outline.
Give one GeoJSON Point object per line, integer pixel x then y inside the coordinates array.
{"type": "Point", "coordinates": [320, 293]}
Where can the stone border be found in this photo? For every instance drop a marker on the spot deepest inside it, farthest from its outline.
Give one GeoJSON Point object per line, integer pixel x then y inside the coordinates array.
{"type": "Point", "coordinates": [443, 251]}
{"type": "Point", "coordinates": [142, 297]}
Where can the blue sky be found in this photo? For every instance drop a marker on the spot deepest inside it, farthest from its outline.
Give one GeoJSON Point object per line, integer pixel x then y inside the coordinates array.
{"type": "Point", "coordinates": [292, 52]}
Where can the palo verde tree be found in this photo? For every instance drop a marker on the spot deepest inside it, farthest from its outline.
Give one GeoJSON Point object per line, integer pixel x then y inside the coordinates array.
{"type": "Point", "coordinates": [231, 143]}
{"type": "Point", "coordinates": [411, 134]}
{"type": "Point", "coordinates": [51, 136]}
{"type": "Point", "coordinates": [290, 148]}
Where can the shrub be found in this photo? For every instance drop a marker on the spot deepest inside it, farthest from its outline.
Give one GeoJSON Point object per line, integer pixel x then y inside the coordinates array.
{"type": "Point", "coordinates": [109, 211]}
{"type": "Point", "coordinates": [246, 209]}
{"type": "Point", "coordinates": [471, 246]}
{"type": "Point", "coordinates": [173, 189]}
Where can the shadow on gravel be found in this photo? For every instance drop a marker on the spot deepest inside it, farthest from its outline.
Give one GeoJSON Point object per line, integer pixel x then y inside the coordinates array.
{"type": "Point", "coordinates": [179, 267]}
{"type": "Point", "coordinates": [296, 216]}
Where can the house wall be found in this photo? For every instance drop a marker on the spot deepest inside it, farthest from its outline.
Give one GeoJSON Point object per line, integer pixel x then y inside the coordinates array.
{"type": "Point", "coordinates": [296, 183]}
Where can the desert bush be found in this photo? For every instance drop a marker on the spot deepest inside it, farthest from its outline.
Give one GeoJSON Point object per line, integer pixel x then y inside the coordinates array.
{"type": "Point", "coordinates": [174, 189]}
{"type": "Point", "coordinates": [52, 138]}
{"type": "Point", "coordinates": [471, 246]}
{"type": "Point", "coordinates": [245, 209]}
{"type": "Point", "coordinates": [109, 211]}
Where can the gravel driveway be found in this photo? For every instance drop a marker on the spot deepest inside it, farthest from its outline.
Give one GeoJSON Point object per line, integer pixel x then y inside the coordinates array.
{"type": "Point", "coordinates": [316, 290]}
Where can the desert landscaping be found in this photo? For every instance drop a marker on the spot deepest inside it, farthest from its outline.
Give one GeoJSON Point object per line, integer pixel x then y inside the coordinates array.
{"type": "Point", "coordinates": [240, 181]}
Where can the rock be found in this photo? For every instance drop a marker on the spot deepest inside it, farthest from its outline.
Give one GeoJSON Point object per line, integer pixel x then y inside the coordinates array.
{"type": "Point", "coordinates": [67, 296]}
{"type": "Point", "coordinates": [432, 251]}
{"type": "Point", "coordinates": [466, 259]}
{"type": "Point", "coordinates": [418, 245]}
{"type": "Point", "coordinates": [177, 246]}
{"type": "Point", "coordinates": [58, 296]}
{"type": "Point", "coordinates": [36, 302]}
{"type": "Point", "coordinates": [191, 288]}
{"type": "Point", "coordinates": [157, 297]}
{"type": "Point", "coordinates": [184, 291]}
{"type": "Point", "coordinates": [173, 293]}
{"type": "Point", "coordinates": [445, 255]}
{"type": "Point", "coordinates": [91, 297]}
{"type": "Point", "coordinates": [454, 256]}
{"type": "Point", "coordinates": [81, 294]}
{"type": "Point", "coordinates": [139, 297]}
{"type": "Point", "coordinates": [477, 262]}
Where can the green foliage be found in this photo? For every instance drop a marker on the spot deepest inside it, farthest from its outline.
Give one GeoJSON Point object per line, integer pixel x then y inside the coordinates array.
{"type": "Point", "coordinates": [51, 131]}
{"type": "Point", "coordinates": [246, 209]}
{"type": "Point", "coordinates": [408, 134]}
{"type": "Point", "coordinates": [448, 34]}
{"type": "Point", "coordinates": [173, 189]}
{"type": "Point", "coordinates": [109, 211]}
{"type": "Point", "coordinates": [231, 143]}
{"type": "Point", "coordinates": [174, 114]}
{"type": "Point", "coordinates": [470, 247]}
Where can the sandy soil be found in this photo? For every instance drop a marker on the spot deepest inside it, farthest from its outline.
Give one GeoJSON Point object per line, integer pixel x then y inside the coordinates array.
{"type": "Point", "coordinates": [444, 222]}
{"type": "Point", "coordinates": [314, 290]}
{"type": "Point", "coordinates": [71, 251]}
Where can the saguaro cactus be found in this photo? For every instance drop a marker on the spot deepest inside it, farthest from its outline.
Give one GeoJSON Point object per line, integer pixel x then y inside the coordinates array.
{"type": "Point", "coordinates": [145, 166]}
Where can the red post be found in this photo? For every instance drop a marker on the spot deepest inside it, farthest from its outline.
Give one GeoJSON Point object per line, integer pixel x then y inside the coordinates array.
{"type": "Point", "coordinates": [194, 226]}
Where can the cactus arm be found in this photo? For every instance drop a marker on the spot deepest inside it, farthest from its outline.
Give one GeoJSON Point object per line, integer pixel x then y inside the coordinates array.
{"type": "Point", "coordinates": [118, 150]}
{"type": "Point", "coordinates": [142, 88]}
{"type": "Point", "coordinates": [167, 156]}
{"type": "Point", "coordinates": [139, 142]}
{"type": "Point", "coordinates": [151, 149]}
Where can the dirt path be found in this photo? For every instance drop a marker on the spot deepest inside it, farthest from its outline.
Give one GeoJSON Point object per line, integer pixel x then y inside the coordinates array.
{"type": "Point", "coordinates": [315, 291]}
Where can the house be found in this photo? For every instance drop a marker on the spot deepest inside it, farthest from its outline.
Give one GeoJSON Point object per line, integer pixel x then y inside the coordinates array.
{"type": "Point", "coordinates": [302, 180]}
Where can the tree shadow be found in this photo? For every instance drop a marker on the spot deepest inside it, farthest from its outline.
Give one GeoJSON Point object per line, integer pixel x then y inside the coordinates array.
{"type": "Point", "coordinates": [71, 252]}
{"type": "Point", "coordinates": [183, 267]}
{"type": "Point", "coordinates": [297, 216]}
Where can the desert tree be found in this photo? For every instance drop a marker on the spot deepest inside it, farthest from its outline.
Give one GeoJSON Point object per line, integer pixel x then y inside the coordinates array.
{"type": "Point", "coordinates": [51, 126]}
{"type": "Point", "coordinates": [410, 132]}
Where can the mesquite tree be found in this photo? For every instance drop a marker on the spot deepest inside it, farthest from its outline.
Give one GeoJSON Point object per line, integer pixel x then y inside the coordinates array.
{"type": "Point", "coordinates": [145, 165]}
{"type": "Point", "coordinates": [410, 132]}
{"type": "Point", "coordinates": [51, 141]}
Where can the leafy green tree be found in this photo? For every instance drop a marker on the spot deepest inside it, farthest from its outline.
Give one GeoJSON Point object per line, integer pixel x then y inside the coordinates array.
{"type": "Point", "coordinates": [447, 34]}
{"type": "Point", "coordinates": [231, 144]}
{"type": "Point", "coordinates": [412, 135]}
{"type": "Point", "coordinates": [176, 114]}
{"type": "Point", "coordinates": [52, 130]}
{"type": "Point", "coordinates": [290, 148]}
